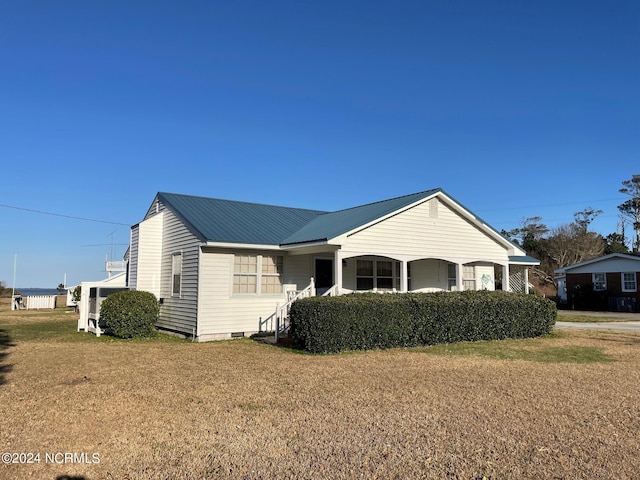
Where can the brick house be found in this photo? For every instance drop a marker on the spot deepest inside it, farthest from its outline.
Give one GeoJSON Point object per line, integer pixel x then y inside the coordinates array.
{"type": "Point", "coordinates": [609, 282]}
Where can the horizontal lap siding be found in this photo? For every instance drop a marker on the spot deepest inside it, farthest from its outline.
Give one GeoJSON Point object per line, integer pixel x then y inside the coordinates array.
{"type": "Point", "coordinates": [416, 232]}
{"type": "Point", "coordinates": [298, 270]}
{"type": "Point", "coordinates": [429, 274]}
{"type": "Point", "coordinates": [179, 313]}
{"type": "Point", "coordinates": [150, 255]}
{"type": "Point", "coordinates": [222, 312]}
{"type": "Point", "coordinates": [133, 256]}
{"type": "Point", "coordinates": [607, 266]}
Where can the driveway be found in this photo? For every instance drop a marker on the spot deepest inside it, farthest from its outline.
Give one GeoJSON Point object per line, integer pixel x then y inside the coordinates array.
{"type": "Point", "coordinates": [619, 321]}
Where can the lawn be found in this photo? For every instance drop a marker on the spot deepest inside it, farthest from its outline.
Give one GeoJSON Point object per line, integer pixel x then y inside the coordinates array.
{"type": "Point", "coordinates": [563, 406]}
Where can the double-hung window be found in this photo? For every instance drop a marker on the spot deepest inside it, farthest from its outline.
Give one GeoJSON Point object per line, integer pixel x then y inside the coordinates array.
{"type": "Point", "coordinates": [271, 281]}
{"type": "Point", "coordinates": [629, 283]}
{"type": "Point", "coordinates": [452, 277]}
{"type": "Point", "coordinates": [381, 275]}
{"type": "Point", "coordinates": [257, 274]}
{"type": "Point", "coordinates": [599, 281]}
{"type": "Point", "coordinates": [176, 274]}
{"type": "Point", "coordinates": [468, 277]}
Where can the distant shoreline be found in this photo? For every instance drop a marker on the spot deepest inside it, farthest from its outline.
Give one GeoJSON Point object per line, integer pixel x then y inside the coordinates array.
{"type": "Point", "coordinates": [40, 291]}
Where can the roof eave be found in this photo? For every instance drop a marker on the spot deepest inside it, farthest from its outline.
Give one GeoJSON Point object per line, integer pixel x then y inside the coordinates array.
{"type": "Point", "coordinates": [243, 246]}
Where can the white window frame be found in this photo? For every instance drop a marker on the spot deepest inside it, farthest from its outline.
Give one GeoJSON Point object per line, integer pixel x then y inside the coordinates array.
{"type": "Point", "coordinates": [452, 277]}
{"type": "Point", "coordinates": [258, 274]}
{"type": "Point", "coordinates": [264, 275]}
{"type": "Point", "coordinates": [469, 277]}
{"type": "Point", "coordinates": [395, 275]}
{"type": "Point", "coordinates": [625, 281]}
{"type": "Point", "coordinates": [599, 281]}
{"type": "Point", "coordinates": [176, 271]}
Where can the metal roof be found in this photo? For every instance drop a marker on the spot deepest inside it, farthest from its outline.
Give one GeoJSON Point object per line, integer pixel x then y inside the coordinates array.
{"type": "Point", "coordinates": [524, 260]}
{"type": "Point", "coordinates": [230, 221]}
{"type": "Point", "coordinates": [216, 220]}
{"type": "Point", "coordinates": [332, 224]}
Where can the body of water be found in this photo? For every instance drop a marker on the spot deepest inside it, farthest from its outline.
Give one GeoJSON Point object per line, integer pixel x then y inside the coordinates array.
{"type": "Point", "coordinates": [26, 292]}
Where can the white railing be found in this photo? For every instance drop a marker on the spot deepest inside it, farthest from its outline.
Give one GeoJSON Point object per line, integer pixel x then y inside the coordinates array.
{"type": "Point", "coordinates": [278, 321]}
{"type": "Point", "coordinates": [331, 292]}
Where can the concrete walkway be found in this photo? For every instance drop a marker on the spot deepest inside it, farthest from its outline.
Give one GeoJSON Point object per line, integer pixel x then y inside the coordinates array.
{"type": "Point", "coordinates": [619, 321]}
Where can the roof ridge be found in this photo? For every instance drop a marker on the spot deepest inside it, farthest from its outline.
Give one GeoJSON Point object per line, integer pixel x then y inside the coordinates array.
{"type": "Point", "coordinates": [431, 191]}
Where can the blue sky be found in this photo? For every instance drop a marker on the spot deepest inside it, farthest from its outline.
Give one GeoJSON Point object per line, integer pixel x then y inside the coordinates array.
{"type": "Point", "coordinates": [515, 108]}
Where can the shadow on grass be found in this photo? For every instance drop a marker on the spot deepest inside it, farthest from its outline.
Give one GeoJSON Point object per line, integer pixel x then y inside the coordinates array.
{"type": "Point", "coordinates": [5, 343]}
{"type": "Point", "coordinates": [67, 477]}
{"type": "Point", "coordinates": [285, 343]}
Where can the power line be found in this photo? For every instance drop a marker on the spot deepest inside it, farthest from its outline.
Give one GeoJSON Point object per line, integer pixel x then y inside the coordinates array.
{"type": "Point", "coordinates": [63, 216]}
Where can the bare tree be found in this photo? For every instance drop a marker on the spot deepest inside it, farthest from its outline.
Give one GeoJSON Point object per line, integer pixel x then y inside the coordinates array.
{"type": "Point", "coordinates": [570, 243]}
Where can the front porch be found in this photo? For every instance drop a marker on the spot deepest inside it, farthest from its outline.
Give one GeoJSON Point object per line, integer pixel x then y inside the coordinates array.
{"type": "Point", "coordinates": [343, 273]}
{"type": "Point", "coordinates": [356, 272]}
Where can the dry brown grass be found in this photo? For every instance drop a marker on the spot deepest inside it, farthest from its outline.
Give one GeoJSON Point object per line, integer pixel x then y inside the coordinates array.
{"type": "Point", "coordinates": [240, 409]}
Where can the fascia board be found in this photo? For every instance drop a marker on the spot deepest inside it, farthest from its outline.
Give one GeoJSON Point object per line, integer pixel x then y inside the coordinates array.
{"type": "Point", "coordinates": [241, 246]}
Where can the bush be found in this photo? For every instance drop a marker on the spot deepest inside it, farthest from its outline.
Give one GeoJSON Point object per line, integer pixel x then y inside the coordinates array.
{"type": "Point", "coordinates": [130, 313]}
{"type": "Point", "coordinates": [366, 321]}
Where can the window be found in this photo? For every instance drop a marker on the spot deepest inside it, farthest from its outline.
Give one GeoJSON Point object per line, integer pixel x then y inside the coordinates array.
{"type": "Point", "coordinates": [257, 274]}
{"type": "Point", "coordinates": [452, 277]}
{"type": "Point", "coordinates": [271, 271]}
{"type": "Point", "coordinates": [383, 275]}
{"type": "Point", "coordinates": [176, 274]}
{"type": "Point", "coordinates": [629, 283]}
{"type": "Point", "coordinates": [599, 281]}
{"type": "Point", "coordinates": [245, 274]}
{"type": "Point", "coordinates": [364, 275]}
{"type": "Point", "coordinates": [468, 277]}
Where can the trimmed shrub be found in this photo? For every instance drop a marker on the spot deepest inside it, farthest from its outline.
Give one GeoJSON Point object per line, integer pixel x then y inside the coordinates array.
{"type": "Point", "coordinates": [368, 321]}
{"type": "Point", "coordinates": [130, 313]}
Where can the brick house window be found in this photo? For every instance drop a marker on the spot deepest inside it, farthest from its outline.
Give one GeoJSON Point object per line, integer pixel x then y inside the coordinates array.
{"type": "Point", "coordinates": [599, 281]}
{"type": "Point", "coordinates": [629, 283]}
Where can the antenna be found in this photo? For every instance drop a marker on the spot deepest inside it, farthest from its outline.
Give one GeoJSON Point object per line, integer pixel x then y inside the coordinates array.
{"type": "Point", "coordinates": [111, 235]}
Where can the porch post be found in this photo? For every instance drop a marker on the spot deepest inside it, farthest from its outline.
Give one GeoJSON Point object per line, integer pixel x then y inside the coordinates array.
{"type": "Point", "coordinates": [505, 278]}
{"type": "Point", "coordinates": [526, 280]}
{"type": "Point", "coordinates": [337, 271]}
{"type": "Point", "coordinates": [403, 276]}
{"type": "Point", "coordinates": [459, 283]}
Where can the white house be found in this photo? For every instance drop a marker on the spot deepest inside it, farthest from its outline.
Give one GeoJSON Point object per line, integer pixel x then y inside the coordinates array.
{"type": "Point", "coordinates": [224, 268]}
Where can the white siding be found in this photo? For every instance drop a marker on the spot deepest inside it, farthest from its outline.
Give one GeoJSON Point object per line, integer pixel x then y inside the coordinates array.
{"type": "Point", "coordinates": [418, 233]}
{"type": "Point", "coordinates": [485, 276]}
{"type": "Point", "coordinates": [608, 265]}
{"type": "Point", "coordinates": [429, 275]}
{"type": "Point", "coordinates": [298, 270]}
{"type": "Point", "coordinates": [220, 311]}
{"type": "Point", "coordinates": [149, 255]}
{"type": "Point", "coordinates": [133, 256]}
{"type": "Point", "coordinates": [179, 313]}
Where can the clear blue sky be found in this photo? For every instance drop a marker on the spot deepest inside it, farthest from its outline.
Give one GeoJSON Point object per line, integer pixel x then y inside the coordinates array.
{"type": "Point", "coordinates": [515, 108]}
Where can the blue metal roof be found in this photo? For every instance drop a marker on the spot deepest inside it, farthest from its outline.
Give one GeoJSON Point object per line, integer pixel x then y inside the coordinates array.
{"type": "Point", "coordinates": [229, 221]}
{"type": "Point", "coordinates": [217, 220]}
{"type": "Point", "coordinates": [524, 260]}
{"type": "Point", "coordinates": [332, 224]}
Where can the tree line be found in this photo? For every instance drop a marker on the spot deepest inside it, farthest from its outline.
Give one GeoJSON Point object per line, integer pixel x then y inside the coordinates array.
{"type": "Point", "coordinates": [573, 242]}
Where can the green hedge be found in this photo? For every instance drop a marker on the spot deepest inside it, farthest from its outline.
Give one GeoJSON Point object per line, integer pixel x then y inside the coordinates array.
{"type": "Point", "coordinates": [367, 321]}
{"type": "Point", "coordinates": [130, 313]}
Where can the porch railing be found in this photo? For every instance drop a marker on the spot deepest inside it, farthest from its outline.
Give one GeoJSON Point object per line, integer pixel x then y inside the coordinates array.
{"type": "Point", "coordinates": [278, 321]}
{"type": "Point", "coordinates": [331, 292]}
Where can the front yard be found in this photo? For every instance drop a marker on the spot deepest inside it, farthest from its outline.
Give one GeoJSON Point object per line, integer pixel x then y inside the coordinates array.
{"type": "Point", "coordinates": [563, 406]}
